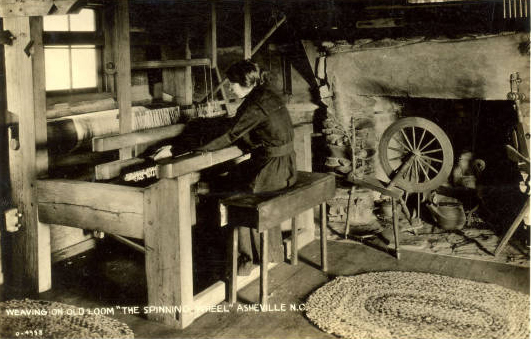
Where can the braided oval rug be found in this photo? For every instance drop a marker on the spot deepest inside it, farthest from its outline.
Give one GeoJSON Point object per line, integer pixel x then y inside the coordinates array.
{"type": "Point", "coordinates": [44, 321]}
{"type": "Point", "coordinates": [386, 305]}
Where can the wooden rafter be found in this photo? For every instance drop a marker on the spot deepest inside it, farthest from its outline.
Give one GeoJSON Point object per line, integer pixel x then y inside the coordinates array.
{"type": "Point", "coordinates": [19, 8]}
{"type": "Point", "coordinates": [253, 52]}
{"type": "Point", "coordinates": [247, 52]}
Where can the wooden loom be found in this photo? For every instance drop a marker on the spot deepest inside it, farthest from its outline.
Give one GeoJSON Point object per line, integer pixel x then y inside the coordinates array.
{"type": "Point", "coordinates": [161, 214]}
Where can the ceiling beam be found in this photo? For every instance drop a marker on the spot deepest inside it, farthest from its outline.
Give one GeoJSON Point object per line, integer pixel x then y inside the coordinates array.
{"type": "Point", "coordinates": [19, 8]}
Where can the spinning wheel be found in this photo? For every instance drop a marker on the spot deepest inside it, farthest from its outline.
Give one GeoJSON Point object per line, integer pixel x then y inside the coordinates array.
{"type": "Point", "coordinates": [416, 154]}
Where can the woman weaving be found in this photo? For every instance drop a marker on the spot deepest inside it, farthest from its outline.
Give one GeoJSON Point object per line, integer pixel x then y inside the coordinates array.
{"type": "Point", "coordinates": [263, 127]}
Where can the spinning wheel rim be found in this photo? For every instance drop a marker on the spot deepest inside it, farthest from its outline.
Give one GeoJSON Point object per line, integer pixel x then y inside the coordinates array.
{"type": "Point", "coordinates": [427, 143]}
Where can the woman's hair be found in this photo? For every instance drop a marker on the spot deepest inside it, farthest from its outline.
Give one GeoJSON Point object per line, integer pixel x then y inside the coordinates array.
{"type": "Point", "coordinates": [246, 73]}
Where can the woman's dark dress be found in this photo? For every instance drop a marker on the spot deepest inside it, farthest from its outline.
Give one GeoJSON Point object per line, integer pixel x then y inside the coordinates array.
{"type": "Point", "coordinates": [262, 126]}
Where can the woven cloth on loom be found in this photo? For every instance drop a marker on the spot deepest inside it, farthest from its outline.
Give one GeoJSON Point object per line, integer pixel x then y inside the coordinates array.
{"type": "Point", "coordinates": [411, 305]}
{"type": "Point", "coordinates": [97, 124]}
{"type": "Point", "coordinates": [47, 319]}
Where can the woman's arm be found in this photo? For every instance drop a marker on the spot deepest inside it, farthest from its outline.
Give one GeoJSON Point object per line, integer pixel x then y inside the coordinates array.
{"type": "Point", "coordinates": [247, 121]}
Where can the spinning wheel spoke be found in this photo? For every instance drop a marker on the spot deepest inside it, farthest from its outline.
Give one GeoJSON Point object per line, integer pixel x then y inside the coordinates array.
{"type": "Point", "coordinates": [396, 158]}
{"type": "Point", "coordinates": [429, 143]}
{"type": "Point", "coordinates": [407, 139]}
{"type": "Point", "coordinates": [422, 137]}
{"type": "Point", "coordinates": [424, 171]}
{"type": "Point", "coordinates": [432, 151]}
{"type": "Point", "coordinates": [413, 130]}
{"type": "Point", "coordinates": [429, 165]}
{"type": "Point", "coordinates": [402, 144]}
{"type": "Point", "coordinates": [432, 159]}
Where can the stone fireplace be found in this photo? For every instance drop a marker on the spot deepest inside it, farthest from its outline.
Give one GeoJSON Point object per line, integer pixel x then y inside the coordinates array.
{"type": "Point", "coordinates": [460, 84]}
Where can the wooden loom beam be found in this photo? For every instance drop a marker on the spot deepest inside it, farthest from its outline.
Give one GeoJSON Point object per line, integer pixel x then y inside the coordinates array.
{"type": "Point", "coordinates": [30, 246]}
{"type": "Point", "coordinates": [170, 168]}
{"type": "Point", "coordinates": [94, 206]}
{"type": "Point", "coordinates": [155, 64]}
{"type": "Point", "coordinates": [109, 143]}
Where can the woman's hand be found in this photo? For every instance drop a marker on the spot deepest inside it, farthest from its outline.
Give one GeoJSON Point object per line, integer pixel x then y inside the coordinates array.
{"type": "Point", "coordinates": [163, 153]}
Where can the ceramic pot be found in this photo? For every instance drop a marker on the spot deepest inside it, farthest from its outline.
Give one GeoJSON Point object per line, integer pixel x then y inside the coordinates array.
{"type": "Point", "coordinates": [362, 209]}
{"type": "Point", "coordinates": [449, 216]}
{"type": "Point", "coordinates": [340, 151]}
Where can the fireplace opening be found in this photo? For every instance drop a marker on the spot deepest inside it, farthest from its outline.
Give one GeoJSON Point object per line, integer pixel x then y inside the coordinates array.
{"type": "Point", "coordinates": [478, 130]}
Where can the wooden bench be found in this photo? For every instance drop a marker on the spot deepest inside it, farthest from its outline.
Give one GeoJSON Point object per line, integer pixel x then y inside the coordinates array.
{"type": "Point", "coordinates": [267, 210]}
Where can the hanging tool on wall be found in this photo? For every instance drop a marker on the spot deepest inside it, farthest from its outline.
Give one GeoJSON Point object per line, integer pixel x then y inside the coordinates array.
{"type": "Point", "coordinates": [520, 137]}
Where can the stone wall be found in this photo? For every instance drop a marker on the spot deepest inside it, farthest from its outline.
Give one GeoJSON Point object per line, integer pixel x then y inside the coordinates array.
{"type": "Point", "coordinates": [369, 79]}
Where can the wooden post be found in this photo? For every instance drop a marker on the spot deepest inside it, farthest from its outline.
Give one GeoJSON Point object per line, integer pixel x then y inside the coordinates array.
{"type": "Point", "coordinates": [396, 228]}
{"type": "Point", "coordinates": [26, 97]}
{"type": "Point", "coordinates": [168, 243]}
{"type": "Point", "coordinates": [188, 85]}
{"type": "Point", "coordinates": [122, 54]}
{"type": "Point", "coordinates": [324, 238]}
{"type": "Point", "coordinates": [213, 35]}
{"type": "Point", "coordinates": [247, 30]}
{"type": "Point", "coordinates": [233, 282]}
{"type": "Point", "coordinates": [294, 248]}
{"type": "Point", "coordinates": [303, 150]}
{"type": "Point", "coordinates": [178, 81]}
{"type": "Point", "coordinates": [108, 29]}
{"type": "Point", "coordinates": [264, 260]}
{"type": "Point", "coordinates": [212, 51]}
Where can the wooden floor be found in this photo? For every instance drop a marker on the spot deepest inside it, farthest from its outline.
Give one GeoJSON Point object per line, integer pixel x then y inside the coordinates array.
{"type": "Point", "coordinates": [288, 285]}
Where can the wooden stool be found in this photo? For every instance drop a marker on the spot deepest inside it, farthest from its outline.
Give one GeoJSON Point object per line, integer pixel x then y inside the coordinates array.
{"type": "Point", "coordinates": [267, 210]}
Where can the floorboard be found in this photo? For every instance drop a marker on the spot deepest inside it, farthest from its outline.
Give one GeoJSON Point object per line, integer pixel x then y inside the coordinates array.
{"type": "Point", "coordinates": [289, 285]}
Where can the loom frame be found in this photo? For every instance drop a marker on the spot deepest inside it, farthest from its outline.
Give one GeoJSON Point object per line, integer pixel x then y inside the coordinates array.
{"type": "Point", "coordinates": [166, 206]}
